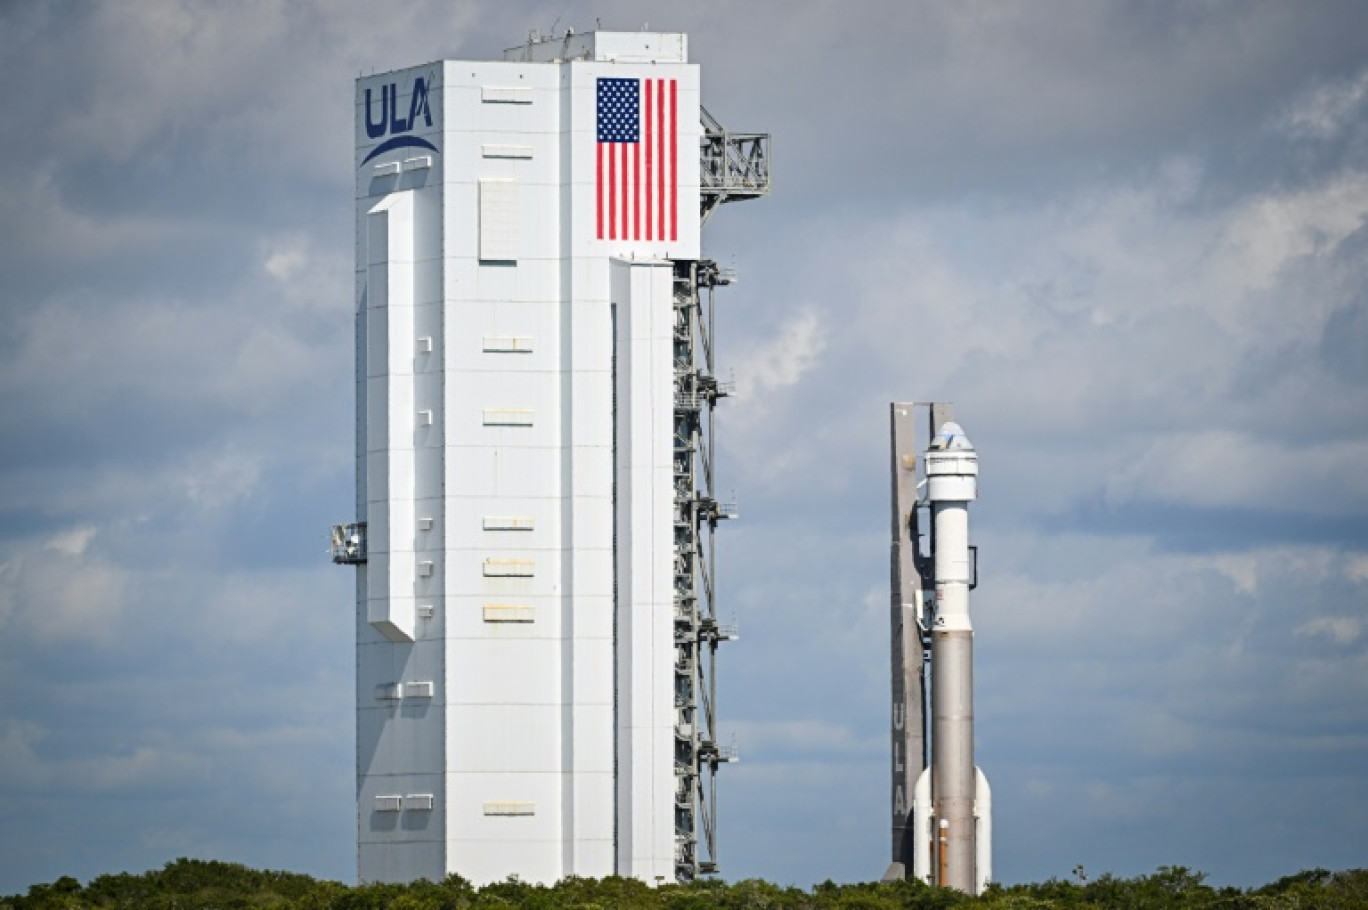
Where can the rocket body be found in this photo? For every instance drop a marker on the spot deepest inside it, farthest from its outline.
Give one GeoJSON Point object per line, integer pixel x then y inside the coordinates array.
{"type": "Point", "coordinates": [951, 484]}
{"type": "Point", "coordinates": [942, 804]}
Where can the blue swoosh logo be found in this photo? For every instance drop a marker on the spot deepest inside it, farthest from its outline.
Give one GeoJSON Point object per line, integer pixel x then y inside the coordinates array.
{"type": "Point", "coordinates": [399, 142]}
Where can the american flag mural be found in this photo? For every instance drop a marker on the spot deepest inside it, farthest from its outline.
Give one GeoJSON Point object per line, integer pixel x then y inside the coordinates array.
{"type": "Point", "coordinates": [637, 184]}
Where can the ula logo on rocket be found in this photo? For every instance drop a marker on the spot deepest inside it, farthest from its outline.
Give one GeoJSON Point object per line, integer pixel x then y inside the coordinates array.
{"type": "Point", "coordinates": [392, 122]}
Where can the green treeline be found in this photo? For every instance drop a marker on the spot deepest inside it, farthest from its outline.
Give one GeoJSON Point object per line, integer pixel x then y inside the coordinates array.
{"type": "Point", "coordinates": [188, 884]}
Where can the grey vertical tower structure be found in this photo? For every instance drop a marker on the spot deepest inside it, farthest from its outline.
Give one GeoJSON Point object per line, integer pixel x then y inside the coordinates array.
{"type": "Point", "coordinates": [941, 802]}
{"type": "Point", "coordinates": [535, 605]}
{"type": "Point", "coordinates": [907, 639]}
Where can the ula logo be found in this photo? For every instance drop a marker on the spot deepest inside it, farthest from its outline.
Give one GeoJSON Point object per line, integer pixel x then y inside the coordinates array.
{"type": "Point", "coordinates": [392, 121]}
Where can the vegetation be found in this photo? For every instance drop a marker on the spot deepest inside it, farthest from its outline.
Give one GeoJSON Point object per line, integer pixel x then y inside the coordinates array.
{"type": "Point", "coordinates": [188, 884]}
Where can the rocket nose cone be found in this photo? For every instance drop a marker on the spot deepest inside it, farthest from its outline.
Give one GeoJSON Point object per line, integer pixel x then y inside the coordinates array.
{"type": "Point", "coordinates": [951, 436]}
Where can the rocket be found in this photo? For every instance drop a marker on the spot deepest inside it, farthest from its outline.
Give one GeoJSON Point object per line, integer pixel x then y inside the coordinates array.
{"type": "Point", "coordinates": [942, 804]}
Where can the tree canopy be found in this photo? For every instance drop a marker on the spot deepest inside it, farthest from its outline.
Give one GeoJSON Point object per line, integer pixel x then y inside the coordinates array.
{"type": "Point", "coordinates": [190, 884]}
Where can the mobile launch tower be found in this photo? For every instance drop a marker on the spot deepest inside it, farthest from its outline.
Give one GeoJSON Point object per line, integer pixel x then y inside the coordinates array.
{"type": "Point", "coordinates": [536, 626]}
{"type": "Point", "coordinates": [942, 805]}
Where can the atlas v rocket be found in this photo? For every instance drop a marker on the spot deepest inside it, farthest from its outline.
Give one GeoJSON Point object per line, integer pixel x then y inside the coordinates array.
{"type": "Point", "coordinates": [942, 805]}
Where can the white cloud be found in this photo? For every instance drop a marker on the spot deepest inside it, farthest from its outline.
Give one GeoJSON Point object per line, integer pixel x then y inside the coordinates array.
{"type": "Point", "coordinates": [1326, 110]}
{"type": "Point", "coordinates": [57, 233]}
{"type": "Point", "coordinates": [57, 591]}
{"type": "Point", "coordinates": [1342, 630]}
{"type": "Point", "coordinates": [212, 480]}
{"type": "Point", "coordinates": [284, 263]}
{"type": "Point", "coordinates": [1243, 282]}
{"type": "Point", "coordinates": [19, 754]}
{"type": "Point", "coordinates": [72, 542]}
{"type": "Point", "coordinates": [792, 740]}
{"type": "Point", "coordinates": [782, 361]}
{"type": "Point", "coordinates": [247, 86]}
{"type": "Point", "coordinates": [1224, 468]}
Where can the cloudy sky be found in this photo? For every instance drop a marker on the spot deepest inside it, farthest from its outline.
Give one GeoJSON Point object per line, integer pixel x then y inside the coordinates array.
{"type": "Point", "coordinates": [1126, 239]}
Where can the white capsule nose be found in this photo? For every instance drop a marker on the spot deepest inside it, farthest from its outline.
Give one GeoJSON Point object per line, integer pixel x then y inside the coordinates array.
{"type": "Point", "coordinates": [951, 436]}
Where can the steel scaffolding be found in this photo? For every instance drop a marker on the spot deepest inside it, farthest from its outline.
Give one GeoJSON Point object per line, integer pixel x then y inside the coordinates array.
{"type": "Point", "coordinates": [732, 167]}
{"type": "Point", "coordinates": [697, 512]}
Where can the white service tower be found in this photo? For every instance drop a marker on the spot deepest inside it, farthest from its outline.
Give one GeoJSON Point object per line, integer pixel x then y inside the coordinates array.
{"type": "Point", "coordinates": [535, 625]}
{"type": "Point", "coordinates": [943, 833]}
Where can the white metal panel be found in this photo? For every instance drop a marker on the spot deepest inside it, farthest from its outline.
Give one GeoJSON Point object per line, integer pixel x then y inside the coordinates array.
{"type": "Point", "coordinates": [464, 617]}
{"type": "Point", "coordinates": [506, 94]}
{"type": "Point", "coordinates": [418, 689]}
{"type": "Point", "coordinates": [593, 568]}
{"type": "Point", "coordinates": [484, 861]}
{"type": "Point", "coordinates": [541, 205]}
{"type": "Point", "coordinates": [460, 231]}
{"type": "Point", "coordinates": [505, 408]}
{"type": "Point", "coordinates": [503, 470]}
{"type": "Point", "coordinates": [495, 150]}
{"type": "Point", "coordinates": [403, 861]}
{"type": "Point", "coordinates": [509, 522]}
{"type": "Point", "coordinates": [523, 152]}
{"type": "Point", "coordinates": [467, 794]}
{"type": "Point", "coordinates": [377, 336]}
{"type": "Point", "coordinates": [534, 324]}
{"type": "Point", "coordinates": [535, 530]}
{"type": "Point", "coordinates": [508, 417]}
{"type": "Point", "coordinates": [420, 802]}
{"type": "Point", "coordinates": [534, 279]}
{"type": "Point", "coordinates": [591, 416]}
{"type": "Point", "coordinates": [524, 671]}
{"type": "Point", "coordinates": [419, 661]}
{"type": "Point", "coordinates": [596, 753]}
{"type": "Point", "coordinates": [427, 274]}
{"type": "Point", "coordinates": [427, 324]}
{"type": "Point", "coordinates": [592, 524]}
{"type": "Point", "coordinates": [375, 663]}
{"type": "Point", "coordinates": [390, 252]}
{"type": "Point", "coordinates": [497, 119]}
{"type": "Point", "coordinates": [591, 335]}
{"type": "Point", "coordinates": [589, 282]}
{"type": "Point", "coordinates": [641, 47]}
{"type": "Point", "coordinates": [508, 344]}
{"type": "Point", "coordinates": [642, 292]}
{"type": "Point", "coordinates": [518, 613]}
{"type": "Point", "coordinates": [500, 220]}
{"type": "Point", "coordinates": [593, 616]}
{"type": "Point", "coordinates": [465, 572]}
{"type": "Point", "coordinates": [592, 670]}
{"type": "Point", "coordinates": [596, 463]}
{"type": "Point", "coordinates": [595, 856]}
{"type": "Point", "coordinates": [408, 736]}
{"type": "Point", "coordinates": [509, 567]}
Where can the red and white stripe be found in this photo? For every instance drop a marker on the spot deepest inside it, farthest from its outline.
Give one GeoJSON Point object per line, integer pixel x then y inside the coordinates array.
{"type": "Point", "coordinates": [638, 182]}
